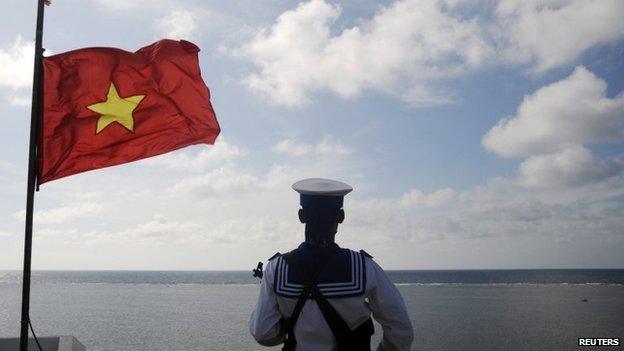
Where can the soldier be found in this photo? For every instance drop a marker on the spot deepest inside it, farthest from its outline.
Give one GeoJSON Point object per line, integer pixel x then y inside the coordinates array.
{"type": "Point", "coordinates": [320, 296]}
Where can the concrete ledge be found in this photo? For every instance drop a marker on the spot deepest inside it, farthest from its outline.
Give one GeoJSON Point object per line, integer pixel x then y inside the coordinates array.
{"type": "Point", "coordinates": [48, 343]}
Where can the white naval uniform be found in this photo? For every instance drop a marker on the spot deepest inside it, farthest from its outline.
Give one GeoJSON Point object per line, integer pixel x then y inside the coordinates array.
{"type": "Point", "coordinates": [311, 330]}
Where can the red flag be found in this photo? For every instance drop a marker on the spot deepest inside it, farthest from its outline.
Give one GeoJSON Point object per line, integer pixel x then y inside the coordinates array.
{"type": "Point", "coordinates": [106, 106]}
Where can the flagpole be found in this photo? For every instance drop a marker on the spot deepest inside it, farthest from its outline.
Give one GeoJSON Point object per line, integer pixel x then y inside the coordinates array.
{"type": "Point", "coordinates": [32, 174]}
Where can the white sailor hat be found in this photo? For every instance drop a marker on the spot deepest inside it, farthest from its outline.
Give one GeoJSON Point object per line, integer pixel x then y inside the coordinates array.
{"type": "Point", "coordinates": [321, 192]}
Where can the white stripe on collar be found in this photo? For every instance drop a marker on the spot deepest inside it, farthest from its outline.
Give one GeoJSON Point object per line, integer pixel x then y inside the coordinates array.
{"type": "Point", "coordinates": [354, 287]}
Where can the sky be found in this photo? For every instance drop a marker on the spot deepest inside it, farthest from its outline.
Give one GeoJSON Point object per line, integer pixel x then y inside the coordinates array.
{"type": "Point", "coordinates": [476, 135]}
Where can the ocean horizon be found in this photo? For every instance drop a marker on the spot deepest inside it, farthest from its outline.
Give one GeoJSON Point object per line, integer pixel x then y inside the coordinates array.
{"type": "Point", "coordinates": [400, 277]}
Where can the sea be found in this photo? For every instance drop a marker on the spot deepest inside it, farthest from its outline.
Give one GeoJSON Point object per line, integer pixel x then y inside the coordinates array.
{"type": "Point", "coordinates": [209, 310]}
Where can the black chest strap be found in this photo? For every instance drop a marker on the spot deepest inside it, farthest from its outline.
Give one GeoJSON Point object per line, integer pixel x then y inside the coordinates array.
{"type": "Point", "coordinates": [294, 259]}
{"type": "Point", "coordinates": [346, 339]}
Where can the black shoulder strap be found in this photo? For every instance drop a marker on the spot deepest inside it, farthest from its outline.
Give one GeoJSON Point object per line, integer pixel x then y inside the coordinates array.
{"type": "Point", "coordinates": [293, 258]}
{"type": "Point", "coordinates": [346, 339]}
{"type": "Point", "coordinates": [338, 326]}
{"type": "Point", "coordinates": [289, 324]}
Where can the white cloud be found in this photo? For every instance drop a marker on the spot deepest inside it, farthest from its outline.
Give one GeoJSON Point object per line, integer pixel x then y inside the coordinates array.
{"type": "Point", "coordinates": [16, 64]}
{"type": "Point", "coordinates": [210, 156]}
{"type": "Point", "coordinates": [56, 233]}
{"type": "Point", "coordinates": [292, 148]}
{"type": "Point", "coordinates": [234, 231]}
{"type": "Point", "coordinates": [572, 111]}
{"type": "Point", "coordinates": [158, 230]}
{"type": "Point", "coordinates": [416, 198]}
{"type": "Point", "coordinates": [414, 39]}
{"type": "Point", "coordinates": [410, 47]}
{"type": "Point", "coordinates": [492, 210]}
{"type": "Point", "coordinates": [19, 100]}
{"type": "Point", "coordinates": [329, 147]}
{"type": "Point", "coordinates": [262, 228]}
{"type": "Point", "coordinates": [551, 127]}
{"type": "Point", "coordinates": [161, 227]}
{"type": "Point", "coordinates": [178, 24]}
{"type": "Point", "coordinates": [219, 181]}
{"type": "Point", "coordinates": [572, 166]}
{"type": "Point", "coordinates": [63, 214]}
{"type": "Point", "coordinates": [132, 5]}
{"type": "Point", "coordinates": [172, 19]}
{"type": "Point", "coordinates": [555, 32]}
{"type": "Point", "coordinates": [421, 95]}
{"type": "Point", "coordinates": [5, 234]}
{"type": "Point", "coordinates": [325, 147]}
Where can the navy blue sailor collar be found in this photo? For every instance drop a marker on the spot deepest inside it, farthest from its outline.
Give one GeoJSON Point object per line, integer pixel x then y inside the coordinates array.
{"type": "Point", "coordinates": [344, 275]}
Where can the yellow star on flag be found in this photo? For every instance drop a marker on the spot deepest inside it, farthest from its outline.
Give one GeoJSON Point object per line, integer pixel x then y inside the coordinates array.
{"type": "Point", "coordinates": [116, 109]}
